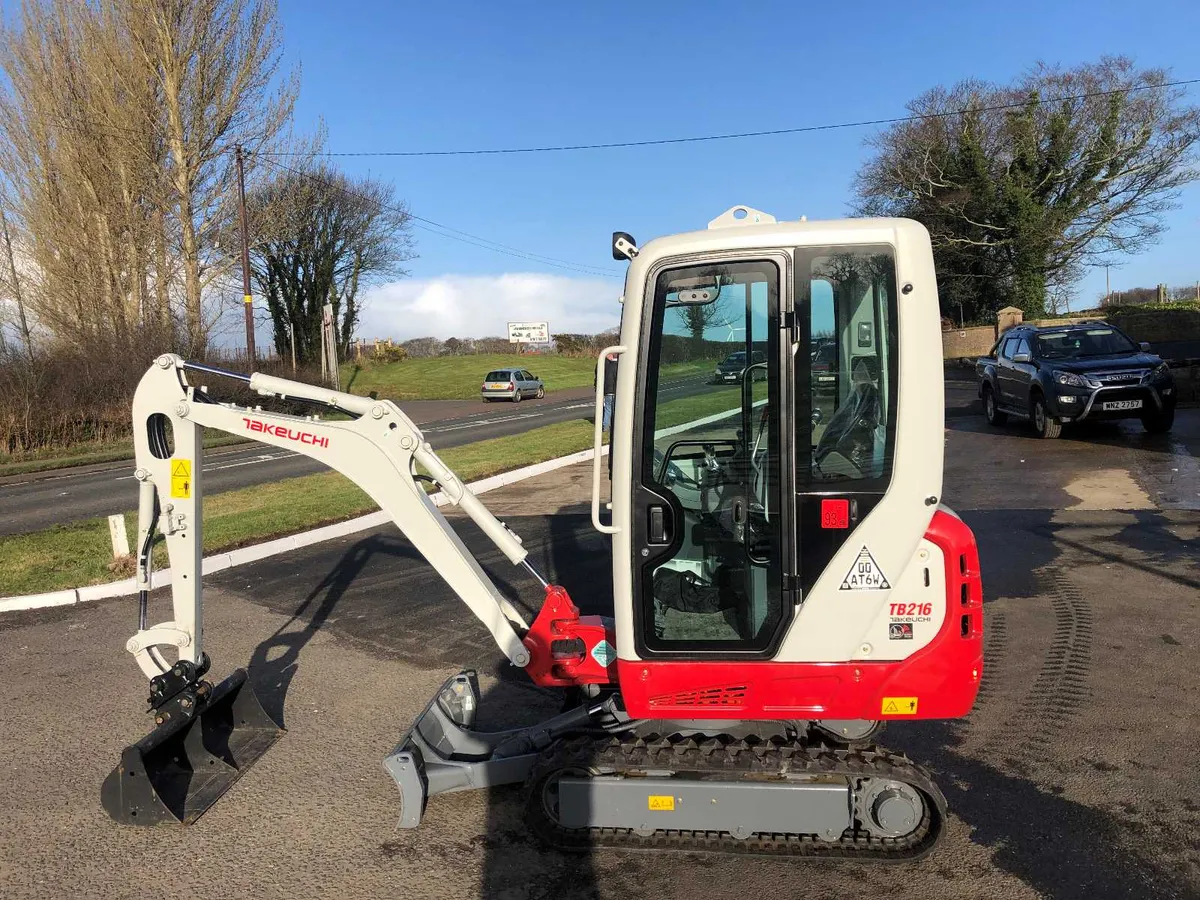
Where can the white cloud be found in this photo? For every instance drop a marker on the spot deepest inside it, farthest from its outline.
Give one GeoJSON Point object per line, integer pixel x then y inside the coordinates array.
{"type": "Point", "coordinates": [482, 305]}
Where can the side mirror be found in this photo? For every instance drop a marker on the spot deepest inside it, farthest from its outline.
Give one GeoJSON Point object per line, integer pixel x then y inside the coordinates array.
{"type": "Point", "coordinates": [1145, 346]}
{"type": "Point", "coordinates": [1021, 357]}
{"type": "Point", "coordinates": [623, 246]}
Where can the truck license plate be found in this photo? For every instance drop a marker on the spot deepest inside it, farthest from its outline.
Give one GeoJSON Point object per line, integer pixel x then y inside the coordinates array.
{"type": "Point", "coordinates": [1122, 404]}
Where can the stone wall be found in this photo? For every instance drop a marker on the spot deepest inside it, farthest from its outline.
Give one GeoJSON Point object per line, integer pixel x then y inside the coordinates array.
{"type": "Point", "coordinates": [1159, 325]}
{"type": "Point", "coordinates": [1172, 333]}
{"type": "Point", "coordinates": [968, 342]}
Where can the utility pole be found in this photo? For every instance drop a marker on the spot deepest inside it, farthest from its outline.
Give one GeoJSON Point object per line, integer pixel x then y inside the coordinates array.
{"type": "Point", "coordinates": [1107, 289]}
{"type": "Point", "coordinates": [247, 300]}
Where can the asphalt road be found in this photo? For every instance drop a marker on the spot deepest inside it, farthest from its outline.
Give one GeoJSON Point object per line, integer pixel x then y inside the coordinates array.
{"type": "Point", "coordinates": [1074, 777]}
{"type": "Point", "coordinates": [31, 502]}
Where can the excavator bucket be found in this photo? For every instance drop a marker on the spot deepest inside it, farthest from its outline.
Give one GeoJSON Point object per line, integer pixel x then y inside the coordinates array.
{"type": "Point", "coordinates": [175, 773]}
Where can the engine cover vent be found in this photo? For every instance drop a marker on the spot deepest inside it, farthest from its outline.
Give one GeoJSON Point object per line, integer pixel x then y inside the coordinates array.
{"type": "Point", "coordinates": [731, 695]}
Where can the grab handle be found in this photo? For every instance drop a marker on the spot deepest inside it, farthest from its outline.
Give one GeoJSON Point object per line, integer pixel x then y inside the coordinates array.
{"type": "Point", "coordinates": [598, 440]}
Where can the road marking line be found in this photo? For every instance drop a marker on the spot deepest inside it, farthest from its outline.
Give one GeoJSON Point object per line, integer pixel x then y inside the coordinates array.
{"type": "Point", "coordinates": [480, 422]}
{"type": "Point", "coordinates": [246, 462]}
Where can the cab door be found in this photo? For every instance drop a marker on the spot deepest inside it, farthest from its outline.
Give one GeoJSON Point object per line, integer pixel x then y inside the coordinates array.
{"type": "Point", "coordinates": [709, 527]}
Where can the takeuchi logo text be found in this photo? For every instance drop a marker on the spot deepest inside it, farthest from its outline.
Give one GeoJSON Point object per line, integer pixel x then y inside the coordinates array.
{"type": "Point", "coordinates": [304, 437]}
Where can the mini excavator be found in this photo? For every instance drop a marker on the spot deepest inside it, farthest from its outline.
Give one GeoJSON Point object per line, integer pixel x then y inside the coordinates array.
{"type": "Point", "coordinates": [786, 579]}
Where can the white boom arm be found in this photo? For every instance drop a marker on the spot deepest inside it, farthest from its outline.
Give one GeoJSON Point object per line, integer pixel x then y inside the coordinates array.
{"type": "Point", "coordinates": [378, 450]}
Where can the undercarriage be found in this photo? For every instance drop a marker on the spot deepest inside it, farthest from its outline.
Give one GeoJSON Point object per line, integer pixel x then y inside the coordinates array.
{"type": "Point", "coordinates": [594, 778]}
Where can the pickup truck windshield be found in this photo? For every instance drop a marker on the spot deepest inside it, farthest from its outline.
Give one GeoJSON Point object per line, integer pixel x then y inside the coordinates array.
{"type": "Point", "coordinates": [1081, 342]}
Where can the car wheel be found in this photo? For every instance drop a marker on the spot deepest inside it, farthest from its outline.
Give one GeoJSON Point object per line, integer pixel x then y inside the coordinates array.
{"type": "Point", "coordinates": [1044, 424]}
{"type": "Point", "coordinates": [1159, 423]}
{"type": "Point", "coordinates": [990, 410]}
{"type": "Point", "coordinates": [541, 393]}
{"type": "Point", "coordinates": [516, 397]}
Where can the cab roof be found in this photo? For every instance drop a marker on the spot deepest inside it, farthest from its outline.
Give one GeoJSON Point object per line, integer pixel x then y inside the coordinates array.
{"type": "Point", "coordinates": [754, 228]}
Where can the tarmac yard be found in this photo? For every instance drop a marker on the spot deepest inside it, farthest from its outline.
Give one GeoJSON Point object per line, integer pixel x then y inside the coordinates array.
{"type": "Point", "coordinates": [1075, 776]}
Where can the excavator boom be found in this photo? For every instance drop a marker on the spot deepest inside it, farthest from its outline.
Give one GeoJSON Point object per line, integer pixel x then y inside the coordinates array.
{"type": "Point", "coordinates": [376, 446]}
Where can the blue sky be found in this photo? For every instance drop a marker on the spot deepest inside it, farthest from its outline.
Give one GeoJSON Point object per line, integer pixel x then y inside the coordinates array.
{"type": "Point", "coordinates": [392, 76]}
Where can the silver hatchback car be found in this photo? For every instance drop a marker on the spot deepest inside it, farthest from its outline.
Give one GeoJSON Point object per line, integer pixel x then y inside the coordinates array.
{"type": "Point", "coordinates": [511, 384]}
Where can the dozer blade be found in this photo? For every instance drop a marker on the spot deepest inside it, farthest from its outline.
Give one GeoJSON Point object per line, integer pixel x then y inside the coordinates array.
{"type": "Point", "coordinates": [175, 773]}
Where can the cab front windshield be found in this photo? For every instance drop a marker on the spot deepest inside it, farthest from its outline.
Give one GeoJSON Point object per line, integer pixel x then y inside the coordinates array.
{"type": "Point", "coordinates": [1082, 342]}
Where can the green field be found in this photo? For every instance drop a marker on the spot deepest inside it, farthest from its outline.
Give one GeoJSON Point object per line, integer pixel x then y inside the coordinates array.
{"type": "Point", "coordinates": [80, 553]}
{"type": "Point", "coordinates": [460, 377]}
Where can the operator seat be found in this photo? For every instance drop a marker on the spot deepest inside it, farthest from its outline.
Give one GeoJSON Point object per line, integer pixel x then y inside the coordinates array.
{"type": "Point", "coordinates": [851, 431]}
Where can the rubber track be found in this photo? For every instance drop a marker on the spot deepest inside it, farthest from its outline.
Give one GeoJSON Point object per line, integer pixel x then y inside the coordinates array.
{"type": "Point", "coordinates": [733, 759]}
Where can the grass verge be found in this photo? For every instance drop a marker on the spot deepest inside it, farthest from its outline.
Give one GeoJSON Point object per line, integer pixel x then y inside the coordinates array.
{"type": "Point", "coordinates": [80, 553]}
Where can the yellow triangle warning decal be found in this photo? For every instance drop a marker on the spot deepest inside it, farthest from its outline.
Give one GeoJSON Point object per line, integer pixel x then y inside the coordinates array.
{"type": "Point", "coordinates": [865, 574]}
{"type": "Point", "coordinates": [891, 707]}
{"type": "Point", "coordinates": [182, 468]}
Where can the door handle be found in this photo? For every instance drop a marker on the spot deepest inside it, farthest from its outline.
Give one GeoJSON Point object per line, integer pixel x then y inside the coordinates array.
{"type": "Point", "coordinates": [656, 531]}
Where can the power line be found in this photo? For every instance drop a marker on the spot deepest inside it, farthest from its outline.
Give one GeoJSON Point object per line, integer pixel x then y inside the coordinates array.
{"type": "Point", "coordinates": [738, 135]}
{"type": "Point", "coordinates": [446, 231]}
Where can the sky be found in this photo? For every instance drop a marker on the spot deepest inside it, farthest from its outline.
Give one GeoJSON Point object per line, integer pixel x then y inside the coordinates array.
{"type": "Point", "coordinates": [386, 76]}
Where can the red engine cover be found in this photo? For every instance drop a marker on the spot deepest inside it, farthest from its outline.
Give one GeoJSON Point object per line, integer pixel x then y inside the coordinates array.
{"type": "Point", "coordinates": [939, 681]}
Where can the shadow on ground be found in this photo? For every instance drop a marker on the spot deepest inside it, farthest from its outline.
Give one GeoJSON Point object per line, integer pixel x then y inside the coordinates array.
{"type": "Point", "coordinates": [276, 659]}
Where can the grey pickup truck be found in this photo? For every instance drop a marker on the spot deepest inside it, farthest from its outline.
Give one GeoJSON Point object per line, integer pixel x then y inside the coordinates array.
{"type": "Point", "coordinates": [1062, 374]}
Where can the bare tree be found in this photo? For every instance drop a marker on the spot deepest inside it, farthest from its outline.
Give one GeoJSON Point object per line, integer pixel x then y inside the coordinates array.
{"type": "Point", "coordinates": [1024, 186]}
{"type": "Point", "coordinates": [79, 168]}
{"type": "Point", "coordinates": [423, 346]}
{"type": "Point", "coordinates": [14, 287]}
{"type": "Point", "coordinates": [214, 61]}
{"type": "Point", "coordinates": [118, 122]}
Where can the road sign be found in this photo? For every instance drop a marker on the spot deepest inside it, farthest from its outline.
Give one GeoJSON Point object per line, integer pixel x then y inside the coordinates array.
{"type": "Point", "coordinates": [529, 332]}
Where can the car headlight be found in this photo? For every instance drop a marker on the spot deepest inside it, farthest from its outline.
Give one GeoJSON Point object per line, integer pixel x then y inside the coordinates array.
{"type": "Point", "coordinates": [1161, 372]}
{"type": "Point", "coordinates": [1070, 379]}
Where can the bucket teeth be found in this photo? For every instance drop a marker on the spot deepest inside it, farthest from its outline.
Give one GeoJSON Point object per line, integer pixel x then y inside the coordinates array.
{"type": "Point", "coordinates": [175, 773]}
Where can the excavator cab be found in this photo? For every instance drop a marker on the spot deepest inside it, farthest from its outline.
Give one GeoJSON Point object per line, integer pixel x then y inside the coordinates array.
{"type": "Point", "coordinates": [786, 578]}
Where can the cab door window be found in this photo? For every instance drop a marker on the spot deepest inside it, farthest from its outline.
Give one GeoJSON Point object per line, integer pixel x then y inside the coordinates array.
{"type": "Point", "coordinates": [707, 508]}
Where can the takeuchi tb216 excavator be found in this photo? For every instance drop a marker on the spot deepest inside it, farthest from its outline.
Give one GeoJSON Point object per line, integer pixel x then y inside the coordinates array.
{"type": "Point", "coordinates": [786, 579]}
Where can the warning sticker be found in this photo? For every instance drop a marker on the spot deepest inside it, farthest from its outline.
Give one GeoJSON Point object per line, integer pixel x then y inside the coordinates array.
{"type": "Point", "coordinates": [865, 574]}
{"type": "Point", "coordinates": [661, 802]}
{"type": "Point", "coordinates": [899, 706]}
{"type": "Point", "coordinates": [181, 479]}
{"type": "Point", "coordinates": [604, 653]}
